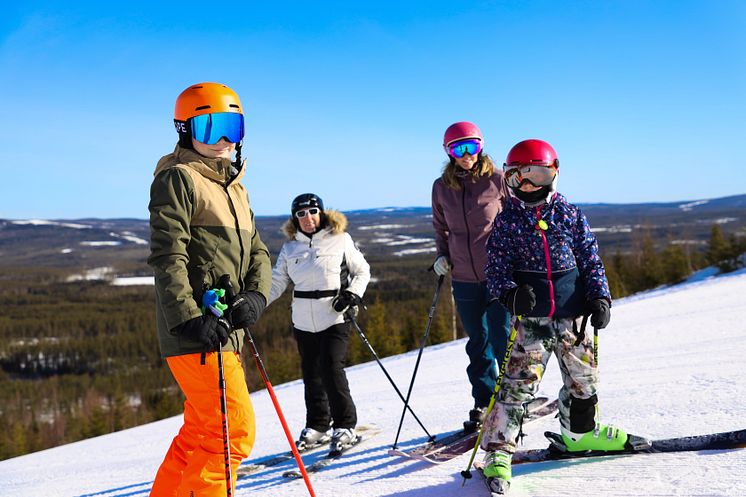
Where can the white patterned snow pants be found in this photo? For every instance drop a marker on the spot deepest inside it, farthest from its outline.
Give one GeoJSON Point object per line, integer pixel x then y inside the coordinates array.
{"type": "Point", "coordinates": [536, 340]}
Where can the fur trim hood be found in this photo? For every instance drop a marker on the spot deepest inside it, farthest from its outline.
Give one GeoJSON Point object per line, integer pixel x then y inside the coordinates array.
{"type": "Point", "coordinates": [336, 223]}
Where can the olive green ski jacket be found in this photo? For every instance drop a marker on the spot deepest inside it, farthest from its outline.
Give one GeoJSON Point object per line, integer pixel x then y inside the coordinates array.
{"type": "Point", "coordinates": [201, 227]}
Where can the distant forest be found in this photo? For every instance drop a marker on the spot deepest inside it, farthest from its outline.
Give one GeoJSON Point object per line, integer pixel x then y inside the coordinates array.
{"type": "Point", "coordinates": [81, 359]}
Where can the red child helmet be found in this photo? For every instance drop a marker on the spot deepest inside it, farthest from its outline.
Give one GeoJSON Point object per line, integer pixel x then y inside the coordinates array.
{"type": "Point", "coordinates": [532, 152]}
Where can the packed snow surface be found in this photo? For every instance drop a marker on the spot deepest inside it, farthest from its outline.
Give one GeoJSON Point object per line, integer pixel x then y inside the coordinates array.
{"type": "Point", "coordinates": [671, 365]}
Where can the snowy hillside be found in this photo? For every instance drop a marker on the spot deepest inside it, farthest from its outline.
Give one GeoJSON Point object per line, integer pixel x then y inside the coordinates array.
{"type": "Point", "coordinates": [671, 364]}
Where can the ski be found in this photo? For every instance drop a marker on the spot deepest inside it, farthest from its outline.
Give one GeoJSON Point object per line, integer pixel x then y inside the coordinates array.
{"type": "Point", "coordinates": [636, 445]}
{"type": "Point", "coordinates": [249, 468]}
{"type": "Point", "coordinates": [330, 458]}
{"type": "Point", "coordinates": [458, 443]}
{"type": "Point", "coordinates": [715, 441]}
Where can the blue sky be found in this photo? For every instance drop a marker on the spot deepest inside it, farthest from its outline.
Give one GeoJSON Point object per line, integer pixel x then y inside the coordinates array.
{"type": "Point", "coordinates": [643, 100]}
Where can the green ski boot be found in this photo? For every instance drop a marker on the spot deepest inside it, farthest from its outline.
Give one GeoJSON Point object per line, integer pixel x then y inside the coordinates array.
{"type": "Point", "coordinates": [604, 438]}
{"type": "Point", "coordinates": [497, 465]}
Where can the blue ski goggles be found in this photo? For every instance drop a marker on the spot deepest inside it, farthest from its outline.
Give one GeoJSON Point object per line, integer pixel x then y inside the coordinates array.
{"type": "Point", "coordinates": [460, 148]}
{"type": "Point", "coordinates": [210, 128]}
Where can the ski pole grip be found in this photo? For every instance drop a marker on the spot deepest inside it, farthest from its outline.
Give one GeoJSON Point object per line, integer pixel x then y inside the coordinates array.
{"type": "Point", "coordinates": [225, 283]}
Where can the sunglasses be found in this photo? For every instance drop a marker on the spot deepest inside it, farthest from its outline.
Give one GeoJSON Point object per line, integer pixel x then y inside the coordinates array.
{"type": "Point", "coordinates": [460, 148]}
{"type": "Point", "coordinates": [312, 211]}
{"type": "Point", "coordinates": [536, 174]}
{"type": "Point", "coordinates": [210, 128]}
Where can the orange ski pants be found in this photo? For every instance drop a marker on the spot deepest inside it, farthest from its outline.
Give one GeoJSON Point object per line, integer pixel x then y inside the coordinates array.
{"type": "Point", "coordinates": [194, 465]}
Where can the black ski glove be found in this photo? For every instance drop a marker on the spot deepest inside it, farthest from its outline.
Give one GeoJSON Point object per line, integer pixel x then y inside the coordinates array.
{"type": "Point", "coordinates": [600, 313]}
{"type": "Point", "coordinates": [246, 308]}
{"type": "Point", "coordinates": [208, 329]}
{"type": "Point", "coordinates": [344, 300]}
{"type": "Point", "coordinates": [520, 300]}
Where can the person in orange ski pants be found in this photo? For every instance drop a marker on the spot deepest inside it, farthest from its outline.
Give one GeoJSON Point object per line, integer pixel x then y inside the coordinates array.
{"type": "Point", "coordinates": [202, 228]}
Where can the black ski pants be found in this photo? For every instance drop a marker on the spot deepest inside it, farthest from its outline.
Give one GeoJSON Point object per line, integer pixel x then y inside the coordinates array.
{"type": "Point", "coordinates": [327, 393]}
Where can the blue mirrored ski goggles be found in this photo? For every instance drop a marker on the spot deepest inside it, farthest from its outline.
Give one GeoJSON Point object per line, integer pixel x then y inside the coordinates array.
{"type": "Point", "coordinates": [460, 148]}
{"type": "Point", "coordinates": [210, 128]}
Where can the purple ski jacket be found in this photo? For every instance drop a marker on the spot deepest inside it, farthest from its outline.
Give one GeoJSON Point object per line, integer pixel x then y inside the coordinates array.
{"type": "Point", "coordinates": [462, 220]}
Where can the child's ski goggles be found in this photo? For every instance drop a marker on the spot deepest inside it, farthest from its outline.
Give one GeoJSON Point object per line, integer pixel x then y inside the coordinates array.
{"type": "Point", "coordinates": [460, 148]}
{"type": "Point", "coordinates": [210, 128]}
{"type": "Point", "coordinates": [312, 211]}
{"type": "Point", "coordinates": [536, 174]}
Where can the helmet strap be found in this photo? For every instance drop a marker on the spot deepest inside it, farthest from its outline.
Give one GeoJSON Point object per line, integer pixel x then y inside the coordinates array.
{"type": "Point", "coordinates": [185, 134]}
{"type": "Point", "coordinates": [237, 162]}
{"type": "Point", "coordinates": [534, 198]}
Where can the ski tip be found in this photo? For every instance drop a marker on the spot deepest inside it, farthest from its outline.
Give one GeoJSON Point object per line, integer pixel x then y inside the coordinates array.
{"type": "Point", "coordinates": [398, 452]}
{"type": "Point", "coordinates": [367, 427]}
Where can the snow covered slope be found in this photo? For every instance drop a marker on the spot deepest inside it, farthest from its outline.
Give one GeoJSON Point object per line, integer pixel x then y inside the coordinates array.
{"type": "Point", "coordinates": [671, 364]}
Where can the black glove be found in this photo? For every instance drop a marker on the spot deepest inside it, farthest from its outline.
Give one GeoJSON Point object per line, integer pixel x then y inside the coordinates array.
{"type": "Point", "coordinates": [600, 313]}
{"type": "Point", "coordinates": [246, 308]}
{"type": "Point", "coordinates": [520, 300]}
{"type": "Point", "coordinates": [344, 300]}
{"type": "Point", "coordinates": [208, 329]}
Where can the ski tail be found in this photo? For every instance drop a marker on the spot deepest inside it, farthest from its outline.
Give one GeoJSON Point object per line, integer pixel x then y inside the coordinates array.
{"type": "Point", "coordinates": [714, 441]}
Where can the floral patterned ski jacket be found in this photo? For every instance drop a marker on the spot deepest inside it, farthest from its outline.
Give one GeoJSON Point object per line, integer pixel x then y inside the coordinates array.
{"type": "Point", "coordinates": [550, 247]}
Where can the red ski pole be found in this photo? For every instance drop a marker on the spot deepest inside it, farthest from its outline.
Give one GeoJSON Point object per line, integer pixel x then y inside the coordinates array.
{"type": "Point", "coordinates": [296, 454]}
{"type": "Point", "coordinates": [230, 294]}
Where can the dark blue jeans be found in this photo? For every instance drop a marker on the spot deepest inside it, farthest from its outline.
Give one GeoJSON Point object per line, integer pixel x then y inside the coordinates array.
{"type": "Point", "coordinates": [488, 325]}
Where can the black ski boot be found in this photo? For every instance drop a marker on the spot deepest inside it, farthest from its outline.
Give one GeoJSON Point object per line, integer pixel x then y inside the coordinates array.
{"type": "Point", "coordinates": [476, 418]}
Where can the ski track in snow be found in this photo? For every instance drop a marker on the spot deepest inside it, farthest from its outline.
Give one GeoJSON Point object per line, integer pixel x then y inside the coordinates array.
{"type": "Point", "coordinates": [671, 365]}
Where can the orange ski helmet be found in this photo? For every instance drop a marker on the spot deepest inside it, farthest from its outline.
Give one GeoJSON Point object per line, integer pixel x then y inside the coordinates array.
{"type": "Point", "coordinates": [206, 98]}
{"type": "Point", "coordinates": [202, 99]}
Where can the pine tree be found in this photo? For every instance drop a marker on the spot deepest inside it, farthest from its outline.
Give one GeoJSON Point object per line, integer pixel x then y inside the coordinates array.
{"type": "Point", "coordinates": [719, 247]}
{"type": "Point", "coordinates": [19, 440]}
{"type": "Point", "coordinates": [651, 267]}
{"type": "Point", "coordinates": [379, 334]}
{"type": "Point", "coordinates": [676, 264]}
{"type": "Point", "coordinates": [724, 252]}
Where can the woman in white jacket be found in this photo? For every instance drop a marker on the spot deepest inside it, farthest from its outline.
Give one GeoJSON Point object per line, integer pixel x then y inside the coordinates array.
{"type": "Point", "coordinates": [329, 275]}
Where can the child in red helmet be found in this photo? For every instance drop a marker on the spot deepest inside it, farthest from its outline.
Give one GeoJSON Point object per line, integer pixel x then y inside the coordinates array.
{"type": "Point", "coordinates": [543, 265]}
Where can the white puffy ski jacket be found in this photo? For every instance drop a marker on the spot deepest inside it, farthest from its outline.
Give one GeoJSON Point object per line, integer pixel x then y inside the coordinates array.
{"type": "Point", "coordinates": [315, 264]}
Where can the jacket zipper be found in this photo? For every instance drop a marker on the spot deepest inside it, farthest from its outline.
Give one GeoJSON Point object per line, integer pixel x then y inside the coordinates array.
{"type": "Point", "coordinates": [310, 254]}
{"type": "Point", "coordinates": [468, 233]}
{"type": "Point", "coordinates": [541, 226]}
{"type": "Point", "coordinates": [238, 233]}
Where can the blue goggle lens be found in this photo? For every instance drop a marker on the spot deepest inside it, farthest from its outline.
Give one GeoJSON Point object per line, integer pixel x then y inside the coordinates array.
{"type": "Point", "coordinates": [210, 128]}
{"type": "Point", "coordinates": [459, 149]}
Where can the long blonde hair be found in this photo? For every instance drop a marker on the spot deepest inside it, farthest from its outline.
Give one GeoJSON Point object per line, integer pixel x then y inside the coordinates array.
{"type": "Point", "coordinates": [484, 167]}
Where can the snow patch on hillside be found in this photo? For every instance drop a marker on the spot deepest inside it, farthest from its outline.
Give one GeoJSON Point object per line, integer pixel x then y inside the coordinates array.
{"type": "Point", "coordinates": [383, 227]}
{"type": "Point", "coordinates": [43, 222]}
{"type": "Point", "coordinates": [689, 206]}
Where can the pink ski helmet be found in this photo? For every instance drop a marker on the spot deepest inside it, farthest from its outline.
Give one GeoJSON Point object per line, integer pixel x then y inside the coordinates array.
{"type": "Point", "coordinates": [461, 131]}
